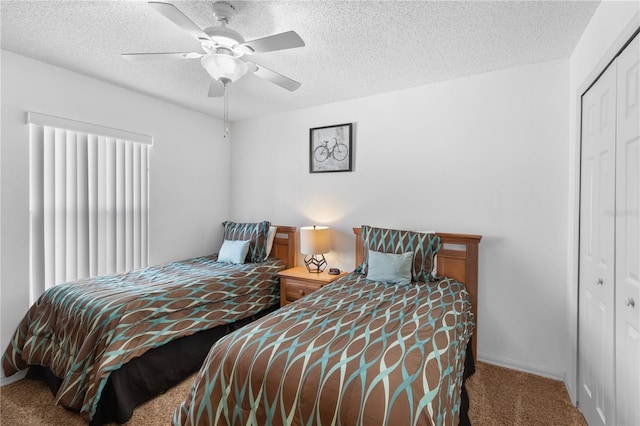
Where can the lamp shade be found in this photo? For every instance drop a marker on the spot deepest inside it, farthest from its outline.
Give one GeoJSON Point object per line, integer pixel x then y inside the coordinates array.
{"type": "Point", "coordinates": [314, 240]}
{"type": "Point", "coordinates": [224, 67]}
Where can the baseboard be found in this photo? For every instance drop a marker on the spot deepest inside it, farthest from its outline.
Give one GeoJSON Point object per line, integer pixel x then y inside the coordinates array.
{"type": "Point", "coordinates": [570, 390]}
{"type": "Point", "coordinates": [524, 367]}
{"type": "Point", "coordinates": [14, 378]}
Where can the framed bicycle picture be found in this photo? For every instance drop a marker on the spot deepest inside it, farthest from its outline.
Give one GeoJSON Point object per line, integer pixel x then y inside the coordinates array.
{"type": "Point", "coordinates": [330, 148]}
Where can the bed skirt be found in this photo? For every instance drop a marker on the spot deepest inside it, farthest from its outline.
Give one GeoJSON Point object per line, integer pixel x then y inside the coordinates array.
{"type": "Point", "coordinates": [469, 369]}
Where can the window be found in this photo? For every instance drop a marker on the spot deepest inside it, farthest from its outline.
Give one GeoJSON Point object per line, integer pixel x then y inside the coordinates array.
{"type": "Point", "coordinates": [88, 200]}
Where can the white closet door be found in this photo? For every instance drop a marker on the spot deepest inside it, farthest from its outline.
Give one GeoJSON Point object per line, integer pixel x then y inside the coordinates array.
{"type": "Point", "coordinates": [628, 237]}
{"type": "Point", "coordinates": [597, 224]}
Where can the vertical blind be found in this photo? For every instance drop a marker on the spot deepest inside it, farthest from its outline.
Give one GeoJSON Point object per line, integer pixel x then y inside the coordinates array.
{"type": "Point", "coordinates": [89, 191]}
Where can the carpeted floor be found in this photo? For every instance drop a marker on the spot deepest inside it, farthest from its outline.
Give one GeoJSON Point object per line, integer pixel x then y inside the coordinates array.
{"type": "Point", "coordinates": [499, 396]}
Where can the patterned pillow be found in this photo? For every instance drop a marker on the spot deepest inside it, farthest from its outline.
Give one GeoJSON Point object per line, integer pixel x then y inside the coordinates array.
{"type": "Point", "coordinates": [424, 247]}
{"type": "Point", "coordinates": [254, 232]}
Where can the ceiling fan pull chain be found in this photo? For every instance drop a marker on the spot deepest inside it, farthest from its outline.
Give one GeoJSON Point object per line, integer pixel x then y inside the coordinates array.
{"type": "Point", "coordinates": [226, 110]}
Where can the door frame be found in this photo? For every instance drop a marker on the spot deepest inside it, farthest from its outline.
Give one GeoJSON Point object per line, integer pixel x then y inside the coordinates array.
{"type": "Point", "coordinates": [623, 39]}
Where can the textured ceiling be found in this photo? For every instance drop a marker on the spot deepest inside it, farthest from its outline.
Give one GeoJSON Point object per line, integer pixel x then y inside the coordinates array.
{"type": "Point", "coordinates": [353, 48]}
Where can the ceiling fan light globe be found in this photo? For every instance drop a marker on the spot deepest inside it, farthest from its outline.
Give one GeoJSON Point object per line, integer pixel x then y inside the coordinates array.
{"type": "Point", "coordinates": [224, 67]}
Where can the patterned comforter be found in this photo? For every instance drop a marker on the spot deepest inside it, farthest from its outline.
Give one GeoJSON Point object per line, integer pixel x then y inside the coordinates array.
{"type": "Point", "coordinates": [356, 352]}
{"type": "Point", "coordinates": [86, 329]}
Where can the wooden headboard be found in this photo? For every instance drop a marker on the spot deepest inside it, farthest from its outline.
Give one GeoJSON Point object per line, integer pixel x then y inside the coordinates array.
{"type": "Point", "coordinates": [458, 259]}
{"type": "Point", "coordinates": [284, 245]}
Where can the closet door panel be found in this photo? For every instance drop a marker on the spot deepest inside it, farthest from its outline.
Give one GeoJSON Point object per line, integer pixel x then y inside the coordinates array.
{"type": "Point", "coordinates": [597, 261]}
{"type": "Point", "coordinates": [628, 236]}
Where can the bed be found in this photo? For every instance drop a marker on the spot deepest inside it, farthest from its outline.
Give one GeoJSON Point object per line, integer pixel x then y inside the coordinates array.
{"type": "Point", "coordinates": [106, 344]}
{"type": "Point", "coordinates": [370, 348]}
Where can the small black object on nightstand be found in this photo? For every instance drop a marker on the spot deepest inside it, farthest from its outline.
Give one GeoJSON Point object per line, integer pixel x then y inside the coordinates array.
{"type": "Point", "coordinates": [334, 271]}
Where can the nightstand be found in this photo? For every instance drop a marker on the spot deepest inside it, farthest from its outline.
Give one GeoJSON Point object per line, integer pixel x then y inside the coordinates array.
{"type": "Point", "coordinates": [295, 283]}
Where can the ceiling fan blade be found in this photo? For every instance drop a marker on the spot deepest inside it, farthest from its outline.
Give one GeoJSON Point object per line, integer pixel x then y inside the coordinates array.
{"type": "Point", "coordinates": [274, 77]}
{"type": "Point", "coordinates": [216, 89]}
{"type": "Point", "coordinates": [173, 14]}
{"type": "Point", "coordinates": [286, 40]}
{"type": "Point", "coordinates": [147, 56]}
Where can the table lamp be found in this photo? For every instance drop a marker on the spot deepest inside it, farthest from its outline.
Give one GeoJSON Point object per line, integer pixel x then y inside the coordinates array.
{"type": "Point", "coordinates": [314, 243]}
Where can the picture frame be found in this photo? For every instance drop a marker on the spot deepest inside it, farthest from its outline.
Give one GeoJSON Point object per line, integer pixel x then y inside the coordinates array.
{"type": "Point", "coordinates": [330, 148]}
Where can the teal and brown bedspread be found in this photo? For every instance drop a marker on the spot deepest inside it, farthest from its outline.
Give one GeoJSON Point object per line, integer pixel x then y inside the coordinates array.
{"type": "Point", "coordinates": [84, 330]}
{"type": "Point", "coordinates": [356, 352]}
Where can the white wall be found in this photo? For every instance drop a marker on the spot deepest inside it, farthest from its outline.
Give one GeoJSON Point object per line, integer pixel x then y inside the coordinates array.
{"type": "Point", "coordinates": [189, 169]}
{"type": "Point", "coordinates": [486, 154]}
{"type": "Point", "coordinates": [610, 27]}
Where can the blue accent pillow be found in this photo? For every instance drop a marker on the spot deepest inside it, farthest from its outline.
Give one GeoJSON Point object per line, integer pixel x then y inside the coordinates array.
{"type": "Point", "coordinates": [390, 267]}
{"type": "Point", "coordinates": [233, 251]}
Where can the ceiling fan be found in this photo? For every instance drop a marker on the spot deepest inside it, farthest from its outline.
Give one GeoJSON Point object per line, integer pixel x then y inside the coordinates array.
{"type": "Point", "coordinates": [225, 49]}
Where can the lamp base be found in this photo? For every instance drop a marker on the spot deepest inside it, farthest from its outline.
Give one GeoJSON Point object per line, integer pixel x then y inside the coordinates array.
{"type": "Point", "coordinates": [315, 263]}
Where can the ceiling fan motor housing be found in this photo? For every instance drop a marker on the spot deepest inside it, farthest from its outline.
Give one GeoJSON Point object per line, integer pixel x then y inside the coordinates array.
{"type": "Point", "coordinates": [223, 37]}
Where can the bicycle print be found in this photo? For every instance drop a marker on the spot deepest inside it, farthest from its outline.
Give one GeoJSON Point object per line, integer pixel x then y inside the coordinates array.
{"type": "Point", "coordinates": [330, 148]}
{"type": "Point", "coordinates": [338, 151]}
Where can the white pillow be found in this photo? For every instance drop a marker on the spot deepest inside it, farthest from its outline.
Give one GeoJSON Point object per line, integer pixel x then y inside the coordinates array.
{"type": "Point", "coordinates": [271, 235]}
{"type": "Point", "coordinates": [234, 251]}
{"type": "Point", "coordinates": [390, 267]}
